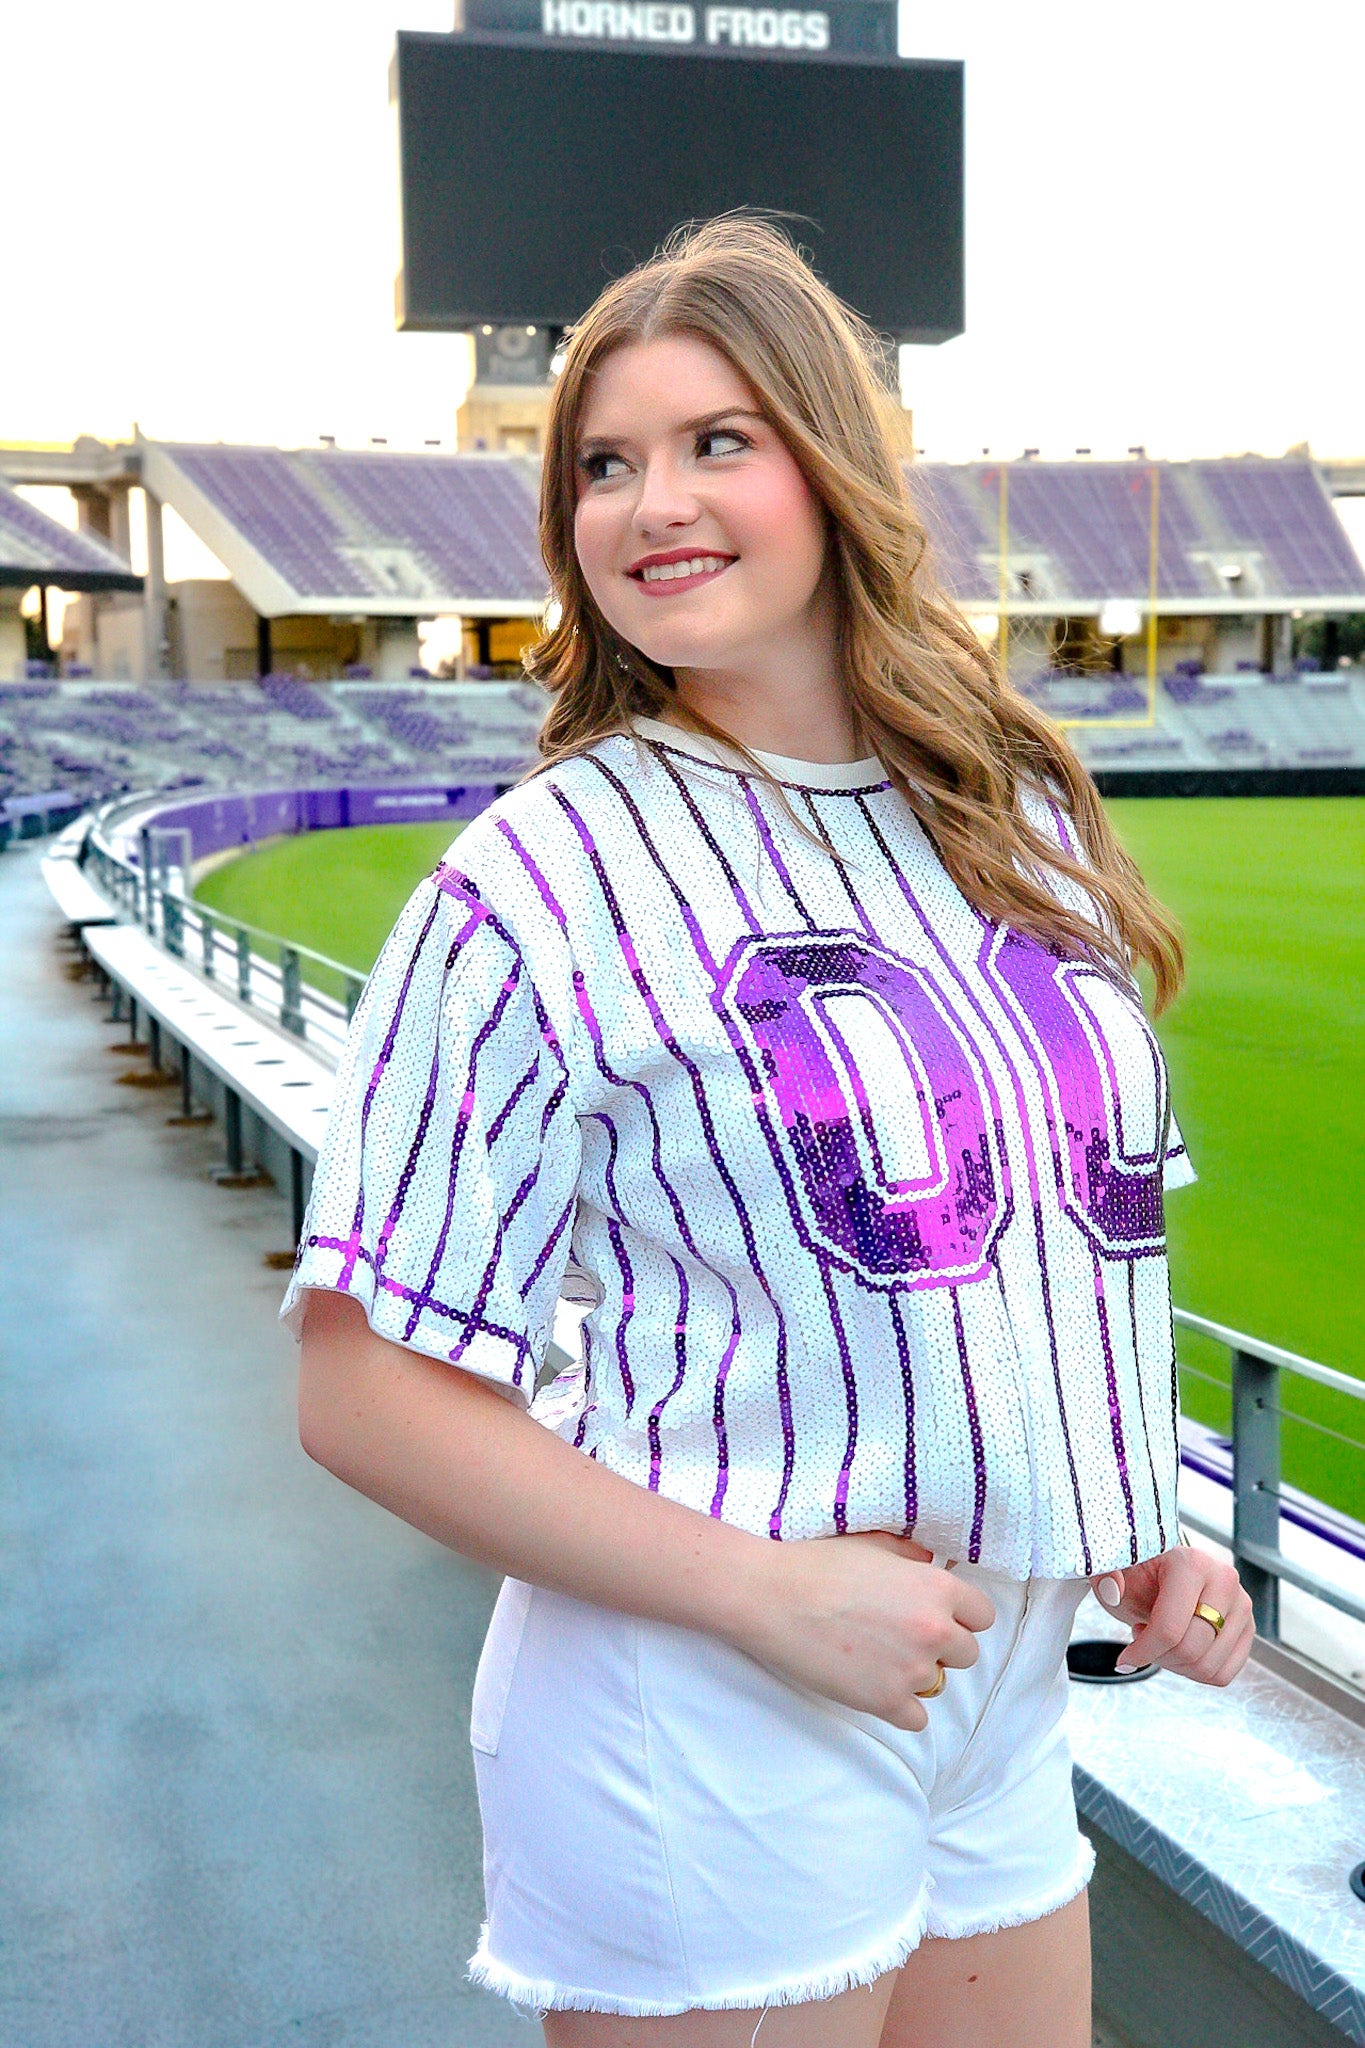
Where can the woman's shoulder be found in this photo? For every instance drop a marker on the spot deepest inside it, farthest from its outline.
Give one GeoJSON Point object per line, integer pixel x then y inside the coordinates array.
{"type": "Point", "coordinates": [520, 854]}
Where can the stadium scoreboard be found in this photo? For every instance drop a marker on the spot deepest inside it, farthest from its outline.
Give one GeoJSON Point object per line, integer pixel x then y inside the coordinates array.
{"type": "Point", "coordinates": [865, 27]}
{"type": "Point", "coordinates": [547, 146]}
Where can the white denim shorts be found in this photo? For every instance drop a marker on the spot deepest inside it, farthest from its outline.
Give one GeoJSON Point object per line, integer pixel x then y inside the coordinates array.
{"type": "Point", "coordinates": [669, 1827]}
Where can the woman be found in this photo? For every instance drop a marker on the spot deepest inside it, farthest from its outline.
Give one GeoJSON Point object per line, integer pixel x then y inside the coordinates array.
{"type": "Point", "coordinates": [793, 999]}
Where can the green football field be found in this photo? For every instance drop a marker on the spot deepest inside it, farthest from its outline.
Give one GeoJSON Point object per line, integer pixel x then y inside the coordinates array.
{"type": "Point", "coordinates": [1266, 1050]}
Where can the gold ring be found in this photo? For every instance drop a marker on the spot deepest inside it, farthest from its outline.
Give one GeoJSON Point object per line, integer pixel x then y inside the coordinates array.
{"type": "Point", "coordinates": [936, 1688]}
{"type": "Point", "coordinates": [1216, 1621]}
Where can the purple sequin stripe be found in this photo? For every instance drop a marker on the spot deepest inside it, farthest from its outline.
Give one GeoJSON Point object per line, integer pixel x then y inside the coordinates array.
{"type": "Point", "coordinates": [462, 889]}
{"type": "Point", "coordinates": [388, 1285]}
{"type": "Point", "coordinates": [504, 1224]}
{"type": "Point", "coordinates": [542, 1256]}
{"type": "Point", "coordinates": [669, 1041]}
{"type": "Point", "coordinates": [908, 1394]}
{"type": "Point", "coordinates": [547, 1033]}
{"type": "Point", "coordinates": [708, 963]}
{"type": "Point", "coordinates": [390, 1223]}
{"type": "Point", "coordinates": [352, 1246]}
{"type": "Point", "coordinates": [462, 1123]}
{"type": "Point", "coordinates": [1115, 1412]}
{"type": "Point", "coordinates": [594, 1029]}
{"type": "Point", "coordinates": [850, 1402]}
{"type": "Point", "coordinates": [770, 847]}
{"type": "Point", "coordinates": [656, 1454]}
{"type": "Point", "coordinates": [616, 1238]}
{"type": "Point", "coordinates": [974, 1425]}
{"type": "Point", "coordinates": [499, 1123]}
{"type": "Point", "coordinates": [1142, 1400]}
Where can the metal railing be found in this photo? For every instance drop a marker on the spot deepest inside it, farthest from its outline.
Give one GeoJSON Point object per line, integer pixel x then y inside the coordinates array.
{"type": "Point", "coordinates": [305, 992]}
{"type": "Point", "coordinates": [1256, 1491]}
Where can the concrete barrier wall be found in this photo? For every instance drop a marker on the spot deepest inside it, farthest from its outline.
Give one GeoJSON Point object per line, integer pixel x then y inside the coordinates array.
{"type": "Point", "coordinates": [220, 821]}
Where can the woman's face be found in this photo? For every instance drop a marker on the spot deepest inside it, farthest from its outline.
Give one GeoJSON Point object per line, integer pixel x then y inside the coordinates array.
{"type": "Point", "coordinates": [696, 531]}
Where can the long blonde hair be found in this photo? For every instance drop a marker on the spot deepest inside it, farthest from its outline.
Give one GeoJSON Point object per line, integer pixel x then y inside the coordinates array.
{"type": "Point", "coordinates": [927, 697]}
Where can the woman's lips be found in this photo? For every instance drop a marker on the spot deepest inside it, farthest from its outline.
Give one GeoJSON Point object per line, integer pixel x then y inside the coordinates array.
{"type": "Point", "coordinates": [680, 576]}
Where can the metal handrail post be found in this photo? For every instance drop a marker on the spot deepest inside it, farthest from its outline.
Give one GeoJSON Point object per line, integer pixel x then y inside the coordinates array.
{"type": "Point", "coordinates": [243, 966]}
{"type": "Point", "coordinates": [208, 937]}
{"type": "Point", "coordinates": [146, 884]}
{"type": "Point", "coordinates": [291, 991]}
{"type": "Point", "coordinates": [232, 1129]}
{"type": "Point", "coordinates": [173, 924]}
{"type": "Point", "coordinates": [1256, 1482]}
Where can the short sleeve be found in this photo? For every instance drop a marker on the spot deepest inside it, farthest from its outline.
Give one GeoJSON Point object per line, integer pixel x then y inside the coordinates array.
{"type": "Point", "coordinates": [1177, 1170]}
{"type": "Point", "coordinates": [444, 1193]}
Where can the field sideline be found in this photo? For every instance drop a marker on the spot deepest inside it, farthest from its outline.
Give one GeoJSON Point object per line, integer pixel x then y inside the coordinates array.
{"type": "Point", "coordinates": [1266, 1051]}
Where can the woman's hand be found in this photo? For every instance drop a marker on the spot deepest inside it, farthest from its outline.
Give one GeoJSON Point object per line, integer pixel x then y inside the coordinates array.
{"type": "Point", "coordinates": [1158, 1599]}
{"type": "Point", "coordinates": [865, 1620]}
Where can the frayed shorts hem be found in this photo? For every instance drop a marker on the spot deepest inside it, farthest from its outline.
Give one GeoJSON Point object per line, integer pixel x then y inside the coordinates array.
{"type": "Point", "coordinates": [958, 1927]}
{"type": "Point", "coordinates": [544, 1995]}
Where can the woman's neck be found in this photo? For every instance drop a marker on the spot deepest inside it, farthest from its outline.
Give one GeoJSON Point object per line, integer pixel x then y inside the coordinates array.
{"type": "Point", "coordinates": [787, 699]}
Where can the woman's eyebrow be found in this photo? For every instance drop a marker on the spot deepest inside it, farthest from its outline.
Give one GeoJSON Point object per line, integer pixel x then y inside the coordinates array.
{"type": "Point", "coordinates": [725, 412]}
{"type": "Point", "coordinates": [593, 444]}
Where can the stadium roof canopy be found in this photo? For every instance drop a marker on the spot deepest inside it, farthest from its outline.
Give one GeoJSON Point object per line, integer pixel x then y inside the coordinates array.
{"type": "Point", "coordinates": [1249, 534]}
{"type": "Point", "coordinates": [36, 549]}
{"type": "Point", "coordinates": [361, 534]}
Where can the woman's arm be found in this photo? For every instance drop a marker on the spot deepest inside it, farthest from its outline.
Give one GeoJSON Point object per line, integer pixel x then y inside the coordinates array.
{"type": "Point", "coordinates": [863, 1621]}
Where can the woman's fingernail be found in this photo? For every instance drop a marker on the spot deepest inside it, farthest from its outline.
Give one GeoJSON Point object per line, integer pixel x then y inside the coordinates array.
{"type": "Point", "coordinates": [1109, 1591]}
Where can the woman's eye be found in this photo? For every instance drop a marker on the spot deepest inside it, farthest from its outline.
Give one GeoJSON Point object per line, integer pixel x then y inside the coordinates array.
{"type": "Point", "coordinates": [722, 441]}
{"type": "Point", "coordinates": [604, 464]}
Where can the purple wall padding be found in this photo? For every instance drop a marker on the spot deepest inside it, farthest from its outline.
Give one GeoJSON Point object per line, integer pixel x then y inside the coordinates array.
{"type": "Point", "coordinates": [217, 822]}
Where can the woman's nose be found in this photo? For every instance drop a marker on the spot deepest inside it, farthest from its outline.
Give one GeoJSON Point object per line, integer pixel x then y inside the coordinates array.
{"type": "Point", "coordinates": [664, 501]}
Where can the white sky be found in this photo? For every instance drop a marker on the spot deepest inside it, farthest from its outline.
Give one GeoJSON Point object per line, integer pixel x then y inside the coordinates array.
{"type": "Point", "coordinates": [1164, 209]}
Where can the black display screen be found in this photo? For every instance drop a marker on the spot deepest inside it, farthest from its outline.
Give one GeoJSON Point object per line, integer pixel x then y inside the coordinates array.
{"type": "Point", "coordinates": [534, 172]}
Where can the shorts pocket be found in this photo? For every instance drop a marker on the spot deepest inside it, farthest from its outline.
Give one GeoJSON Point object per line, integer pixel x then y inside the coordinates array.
{"type": "Point", "coordinates": [497, 1665]}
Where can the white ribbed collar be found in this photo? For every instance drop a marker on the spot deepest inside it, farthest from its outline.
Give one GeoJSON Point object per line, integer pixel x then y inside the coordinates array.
{"type": "Point", "coordinates": [804, 774]}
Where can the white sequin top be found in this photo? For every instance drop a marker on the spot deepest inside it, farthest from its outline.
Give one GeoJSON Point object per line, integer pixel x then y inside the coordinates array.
{"type": "Point", "coordinates": [869, 1189]}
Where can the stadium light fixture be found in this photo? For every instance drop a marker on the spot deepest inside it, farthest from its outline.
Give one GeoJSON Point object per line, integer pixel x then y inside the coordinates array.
{"type": "Point", "coordinates": [1120, 619]}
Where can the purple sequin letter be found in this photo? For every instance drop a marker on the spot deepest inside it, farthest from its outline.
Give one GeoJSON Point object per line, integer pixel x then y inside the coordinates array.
{"type": "Point", "coordinates": [1080, 1024]}
{"type": "Point", "coordinates": [877, 1099]}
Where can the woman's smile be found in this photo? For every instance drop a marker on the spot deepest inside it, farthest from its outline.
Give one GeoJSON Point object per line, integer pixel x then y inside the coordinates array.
{"type": "Point", "coordinates": [673, 571]}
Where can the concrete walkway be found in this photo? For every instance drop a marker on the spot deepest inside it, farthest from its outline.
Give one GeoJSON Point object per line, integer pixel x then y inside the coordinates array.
{"type": "Point", "coordinates": [236, 1801]}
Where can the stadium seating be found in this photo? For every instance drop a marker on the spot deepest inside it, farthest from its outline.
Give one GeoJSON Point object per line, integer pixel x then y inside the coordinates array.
{"type": "Point", "coordinates": [36, 549]}
{"type": "Point", "coordinates": [336, 523]}
{"type": "Point", "coordinates": [1080, 532]}
{"type": "Point", "coordinates": [97, 740]}
{"type": "Point", "coordinates": [1235, 721]}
